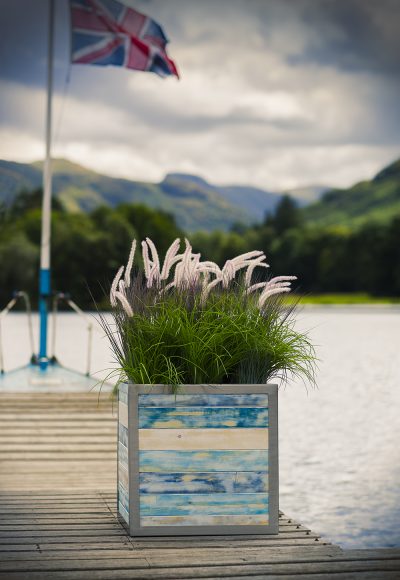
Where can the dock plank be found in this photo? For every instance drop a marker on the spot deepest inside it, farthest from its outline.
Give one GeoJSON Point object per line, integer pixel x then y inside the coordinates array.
{"type": "Point", "coordinates": [58, 517]}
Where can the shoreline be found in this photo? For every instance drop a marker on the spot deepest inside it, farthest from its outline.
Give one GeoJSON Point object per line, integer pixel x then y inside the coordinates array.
{"type": "Point", "coordinates": [371, 307]}
{"type": "Point", "coordinates": [306, 305]}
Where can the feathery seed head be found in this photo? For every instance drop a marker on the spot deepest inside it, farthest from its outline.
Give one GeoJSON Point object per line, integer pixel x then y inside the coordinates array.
{"type": "Point", "coordinates": [190, 271]}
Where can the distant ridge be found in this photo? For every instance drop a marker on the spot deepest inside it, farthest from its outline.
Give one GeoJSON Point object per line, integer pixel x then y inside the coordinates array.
{"type": "Point", "coordinates": [376, 200]}
{"type": "Point", "coordinates": [195, 203]}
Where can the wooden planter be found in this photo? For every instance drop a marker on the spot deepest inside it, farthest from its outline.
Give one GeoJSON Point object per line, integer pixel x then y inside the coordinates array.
{"type": "Point", "coordinates": [202, 462]}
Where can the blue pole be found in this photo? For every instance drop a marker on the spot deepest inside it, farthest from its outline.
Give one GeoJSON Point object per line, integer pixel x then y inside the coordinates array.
{"type": "Point", "coordinates": [44, 278]}
{"type": "Point", "coordinates": [44, 294]}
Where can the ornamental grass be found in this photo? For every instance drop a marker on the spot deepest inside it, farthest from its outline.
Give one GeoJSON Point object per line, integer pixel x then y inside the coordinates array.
{"type": "Point", "coordinates": [188, 321]}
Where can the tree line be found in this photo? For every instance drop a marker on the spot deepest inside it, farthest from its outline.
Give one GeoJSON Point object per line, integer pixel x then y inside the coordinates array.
{"type": "Point", "coordinates": [87, 249]}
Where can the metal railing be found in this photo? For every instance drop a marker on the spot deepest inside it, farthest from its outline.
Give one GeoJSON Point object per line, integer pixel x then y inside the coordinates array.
{"type": "Point", "coordinates": [60, 296]}
{"type": "Point", "coordinates": [57, 298]}
{"type": "Point", "coordinates": [24, 296]}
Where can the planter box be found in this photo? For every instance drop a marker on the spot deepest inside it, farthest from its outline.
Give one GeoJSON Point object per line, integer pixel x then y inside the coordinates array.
{"type": "Point", "coordinates": [202, 462]}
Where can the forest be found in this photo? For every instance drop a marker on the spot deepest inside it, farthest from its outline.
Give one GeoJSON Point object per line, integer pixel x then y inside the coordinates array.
{"type": "Point", "coordinates": [88, 248]}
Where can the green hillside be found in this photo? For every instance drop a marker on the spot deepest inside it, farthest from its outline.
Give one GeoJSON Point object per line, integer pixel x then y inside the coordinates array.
{"type": "Point", "coordinates": [195, 203]}
{"type": "Point", "coordinates": [376, 201]}
{"type": "Point", "coordinates": [15, 177]}
{"type": "Point", "coordinates": [199, 205]}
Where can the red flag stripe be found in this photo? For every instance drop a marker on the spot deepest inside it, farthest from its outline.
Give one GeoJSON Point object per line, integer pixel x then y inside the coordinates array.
{"type": "Point", "coordinates": [133, 22]}
{"type": "Point", "coordinates": [137, 59]}
{"type": "Point", "coordinates": [81, 18]}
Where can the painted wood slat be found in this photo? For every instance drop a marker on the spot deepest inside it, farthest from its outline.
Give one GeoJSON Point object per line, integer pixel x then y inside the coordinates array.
{"type": "Point", "coordinates": [122, 511]}
{"type": "Point", "coordinates": [203, 400]}
{"type": "Point", "coordinates": [123, 393]}
{"type": "Point", "coordinates": [123, 496]}
{"type": "Point", "coordinates": [203, 439]}
{"type": "Point", "coordinates": [123, 413]}
{"type": "Point", "coordinates": [218, 482]}
{"type": "Point", "coordinates": [123, 435]}
{"type": "Point", "coordinates": [196, 417]}
{"type": "Point", "coordinates": [186, 461]}
{"type": "Point", "coordinates": [207, 504]}
{"type": "Point", "coordinates": [205, 520]}
{"type": "Point", "coordinates": [122, 454]}
{"type": "Point", "coordinates": [123, 476]}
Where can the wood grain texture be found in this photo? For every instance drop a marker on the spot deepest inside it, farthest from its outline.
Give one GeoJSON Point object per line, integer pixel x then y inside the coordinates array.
{"type": "Point", "coordinates": [186, 504]}
{"type": "Point", "coordinates": [222, 482]}
{"type": "Point", "coordinates": [123, 496]}
{"type": "Point", "coordinates": [123, 435]}
{"type": "Point", "coordinates": [189, 461]}
{"type": "Point", "coordinates": [198, 417]}
{"type": "Point", "coordinates": [123, 512]}
{"type": "Point", "coordinates": [205, 520]}
{"type": "Point", "coordinates": [58, 517]}
{"type": "Point", "coordinates": [205, 400]}
{"type": "Point", "coordinates": [123, 476]}
{"type": "Point", "coordinates": [123, 393]}
{"type": "Point", "coordinates": [123, 413]}
{"type": "Point", "coordinates": [202, 439]}
{"type": "Point", "coordinates": [57, 440]}
{"type": "Point", "coordinates": [123, 455]}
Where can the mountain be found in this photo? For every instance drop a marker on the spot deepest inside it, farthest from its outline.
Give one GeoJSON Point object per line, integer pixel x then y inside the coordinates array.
{"type": "Point", "coordinates": [195, 203]}
{"type": "Point", "coordinates": [15, 177]}
{"type": "Point", "coordinates": [377, 200]}
{"type": "Point", "coordinates": [308, 194]}
{"type": "Point", "coordinates": [251, 201]}
{"type": "Point", "coordinates": [200, 205]}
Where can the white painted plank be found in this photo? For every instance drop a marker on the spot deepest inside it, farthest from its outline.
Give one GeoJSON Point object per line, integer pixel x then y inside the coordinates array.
{"type": "Point", "coordinates": [123, 413]}
{"type": "Point", "coordinates": [205, 520]}
{"type": "Point", "coordinates": [202, 439]}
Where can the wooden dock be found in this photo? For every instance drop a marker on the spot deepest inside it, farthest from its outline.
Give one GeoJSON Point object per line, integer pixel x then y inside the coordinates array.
{"type": "Point", "coordinates": [58, 514]}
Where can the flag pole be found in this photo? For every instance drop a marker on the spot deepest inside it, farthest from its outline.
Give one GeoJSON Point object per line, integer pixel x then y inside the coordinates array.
{"type": "Point", "coordinates": [44, 277]}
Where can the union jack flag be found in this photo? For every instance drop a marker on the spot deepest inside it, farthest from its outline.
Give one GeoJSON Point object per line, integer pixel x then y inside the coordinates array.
{"type": "Point", "coordinates": [106, 32]}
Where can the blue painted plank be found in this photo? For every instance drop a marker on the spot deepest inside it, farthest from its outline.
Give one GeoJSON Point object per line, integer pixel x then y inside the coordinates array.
{"type": "Point", "coordinates": [203, 400]}
{"type": "Point", "coordinates": [122, 434]}
{"type": "Point", "coordinates": [189, 461]}
{"type": "Point", "coordinates": [123, 455]}
{"type": "Point", "coordinates": [123, 393]}
{"type": "Point", "coordinates": [122, 511]}
{"type": "Point", "coordinates": [123, 496]}
{"type": "Point", "coordinates": [123, 475]}
{"type": "Point", "coordinates": [195, 417]}
{"type": "Point", "coordinates": [204, 504]}
{"type": "Point", "coordinates": [217, 482]}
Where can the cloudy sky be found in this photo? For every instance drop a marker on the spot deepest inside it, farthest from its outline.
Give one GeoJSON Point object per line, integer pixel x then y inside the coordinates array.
{"type": "Point", "coordinates": [273, 93]}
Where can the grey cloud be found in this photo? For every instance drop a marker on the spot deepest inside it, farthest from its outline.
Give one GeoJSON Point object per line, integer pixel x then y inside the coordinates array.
{"type": "Point", "coordinates": [23, 41]}
{"type": "Point", "coordinates": [336, 59]}
{"type": "Point", "coordinates": [353, 34]}
{"type": "Point", "coordinates": [348, 34]}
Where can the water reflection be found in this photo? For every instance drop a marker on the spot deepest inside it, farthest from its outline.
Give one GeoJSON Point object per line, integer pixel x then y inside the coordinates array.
{"type": "Point", "coordinates": [340, 468]}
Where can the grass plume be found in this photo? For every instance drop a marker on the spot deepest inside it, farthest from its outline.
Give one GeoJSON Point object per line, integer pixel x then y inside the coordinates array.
{"type": "Point", "coordinates": [176, 334]}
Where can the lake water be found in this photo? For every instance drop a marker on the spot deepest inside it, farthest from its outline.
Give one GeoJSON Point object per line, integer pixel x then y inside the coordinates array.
{"type": "Point", "coordinates": [339, 444]}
